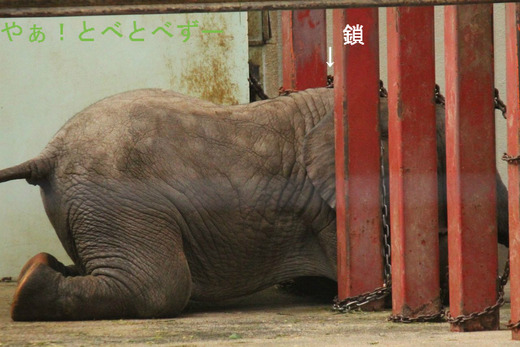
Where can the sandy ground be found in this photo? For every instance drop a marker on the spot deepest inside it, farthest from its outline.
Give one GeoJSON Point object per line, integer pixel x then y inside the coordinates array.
{"type": "Point", "coordinates": [269, 318]}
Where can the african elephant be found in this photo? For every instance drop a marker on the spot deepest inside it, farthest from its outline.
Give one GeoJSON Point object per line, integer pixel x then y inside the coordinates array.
{"type": "Point", "coordinates": [159, 198]}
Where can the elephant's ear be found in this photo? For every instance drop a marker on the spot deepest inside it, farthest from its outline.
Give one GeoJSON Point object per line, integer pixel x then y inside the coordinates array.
{"type": "Point", "coordinates": [318, 156]}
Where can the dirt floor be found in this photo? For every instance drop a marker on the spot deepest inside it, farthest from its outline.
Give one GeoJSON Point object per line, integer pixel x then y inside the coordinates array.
{"type": "Point", "coordinates": [269, 318]}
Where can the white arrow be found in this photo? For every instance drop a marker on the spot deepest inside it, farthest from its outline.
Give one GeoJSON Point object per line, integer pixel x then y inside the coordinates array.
{"type": "Point", "coordinates": [330, 62]}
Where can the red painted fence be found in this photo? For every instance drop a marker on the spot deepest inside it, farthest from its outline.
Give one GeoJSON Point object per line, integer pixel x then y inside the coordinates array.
{"type": "Point", "coordinates": [470, 152]}
{"type": "Point", "coordinates": [513, 147]}
{"type": "Point", "coordinates": [470, 163]}
{"type": "Point", "coordinates": [470, 143]}
{"type": "Point", "coordinates": [304, 35]}
{"type": "Point", "coordinates": [358, 164]}
{"type": "Point", "coordinates": [413, 162]}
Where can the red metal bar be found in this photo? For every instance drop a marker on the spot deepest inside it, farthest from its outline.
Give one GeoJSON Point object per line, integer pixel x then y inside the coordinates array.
{"type": "Point", "coordinates": [513, 147]}
{"type": "Point", "coordinates": [413, 161]}
{"type": "Point", "coordinates": [304, 49]}
{"type": "Point", "coordinates": [356, 78]}
{"type": "Point", "coordinates": [470, 163]}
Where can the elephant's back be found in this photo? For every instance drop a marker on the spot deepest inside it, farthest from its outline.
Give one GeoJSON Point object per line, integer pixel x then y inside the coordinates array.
{"type": "Point", "coordinates": [121, 134]}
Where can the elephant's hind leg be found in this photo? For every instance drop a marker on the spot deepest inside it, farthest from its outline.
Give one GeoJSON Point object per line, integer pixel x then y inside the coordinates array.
{"type": "Point", "coordinates": [45, 293]}
{"type": "Point", "coordinates": [120, 284]}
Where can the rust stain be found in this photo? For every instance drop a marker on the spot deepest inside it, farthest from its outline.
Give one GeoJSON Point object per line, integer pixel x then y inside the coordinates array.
{"type": "Point", "coordinates": [210, 80]}
{"type": "Point", "coordinates": [302, 14]}
{"type": "Point", "coordinates": [208, 76]}
{"type": "Point", "coordinates": [307, 17]}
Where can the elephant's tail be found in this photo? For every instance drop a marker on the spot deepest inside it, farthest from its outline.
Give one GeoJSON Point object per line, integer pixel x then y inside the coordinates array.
{"type": "Point", "coordinates": [33, 171]}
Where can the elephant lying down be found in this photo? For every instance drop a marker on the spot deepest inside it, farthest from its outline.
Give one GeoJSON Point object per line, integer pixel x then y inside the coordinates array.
{"type": "Point", "coordinates": [160, 198]}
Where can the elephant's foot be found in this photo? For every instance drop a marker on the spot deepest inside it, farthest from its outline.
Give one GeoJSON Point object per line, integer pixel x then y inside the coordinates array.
{"type": "Point", "coordinates": [46, 292]}
{"type": "Point", "coordinates": [52, 262]}
{"type": "Point", "coordinates": [32, 295]}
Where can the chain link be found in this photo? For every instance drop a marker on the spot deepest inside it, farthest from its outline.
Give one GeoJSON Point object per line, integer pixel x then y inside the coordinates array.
{"type": "Point", "coordinates": [355, 302]}
{"type": "Point", "coordinates": [255, 87]}
{"type": "Point", "coordinates": [383, 93]}
{"type": "Point", "coordinates": [514, 160]}
{"type": "Point", "coordinates": [513, 325]}
{"type": "Point", "coordinates": [439, 98]}
{"type": "Point", "coordinates": [438, 316]}
{"type": "Point", "coordinates": [488, 310]}
{"type": "Point", "coordinates": [499, 104]}
{"type": "Point", "coordinates": [426, 318]}
{"type": "Point", "coordinates": [385, 220]}
{"type": "Point", "coordinates": [330, 81]}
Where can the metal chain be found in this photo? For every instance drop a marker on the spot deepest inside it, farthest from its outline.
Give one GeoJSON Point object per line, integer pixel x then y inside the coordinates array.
{"type": "Point", "coordinates": [499, 104]}
{"type": "Point", "coordinates": [385, 219]}
{"type": "Point", "coordinates": [355, 302]}
{"type": "Point", "coordinates": [513, 160]}
{"type": "Point", "coordinates": [439, 98]}
{"type": "Point", "coordinates": [383, 93]}
{"type": "Point", "coordinates": [488, 310]}
{"type": "Point", "coordinates": [330, 81]}
{"type": "Point", "coordinates": [255, 87]}
{"type": "Point", "coordinates": [434, 317]}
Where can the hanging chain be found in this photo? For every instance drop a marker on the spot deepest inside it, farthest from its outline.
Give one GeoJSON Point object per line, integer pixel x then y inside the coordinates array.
{"type": "Point", "coordinates": [385, 221]}
{"type": "Point", "coordinates": [355, 302]}
{"type": "Point", "coordinates": [330, 81]}
{"type": "Point", "coordinates": [256, 88]}
{"type": "Point", "coordinates": [513, 160]}
{"type": "Point", "coordinates": [499, 104]}
{"type": "Point", "coordinates": [488, 310]}
{"type": "Point", "coordinates": [434, 317]}
{"type": "Point", "coordinates": [439, 98]}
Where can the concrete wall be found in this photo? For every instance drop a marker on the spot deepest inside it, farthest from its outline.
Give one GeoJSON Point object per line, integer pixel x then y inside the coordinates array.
{"type": "Point", "coordinates": [46, 83]}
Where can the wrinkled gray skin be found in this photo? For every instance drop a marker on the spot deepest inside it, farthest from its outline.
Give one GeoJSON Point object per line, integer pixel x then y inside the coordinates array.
{"type": "Point", "coordinates": [160, 198]}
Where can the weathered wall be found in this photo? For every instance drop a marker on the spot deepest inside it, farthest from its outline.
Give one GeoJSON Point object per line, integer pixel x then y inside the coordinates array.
{"type": "Point", "coordinates": [44, 84]}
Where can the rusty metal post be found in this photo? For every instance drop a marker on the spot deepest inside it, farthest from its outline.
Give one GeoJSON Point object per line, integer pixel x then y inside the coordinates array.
{"type": "Point", "coordinates": [356, 80]}
{"type": "Point", "coordinates": [304, 49]}
{"type": "Point", "coordinates": [513, 148]}
{"type": "Point", "coordinates": [470, 164]}
{"type": "Point", "coordinates": [413, 162]}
